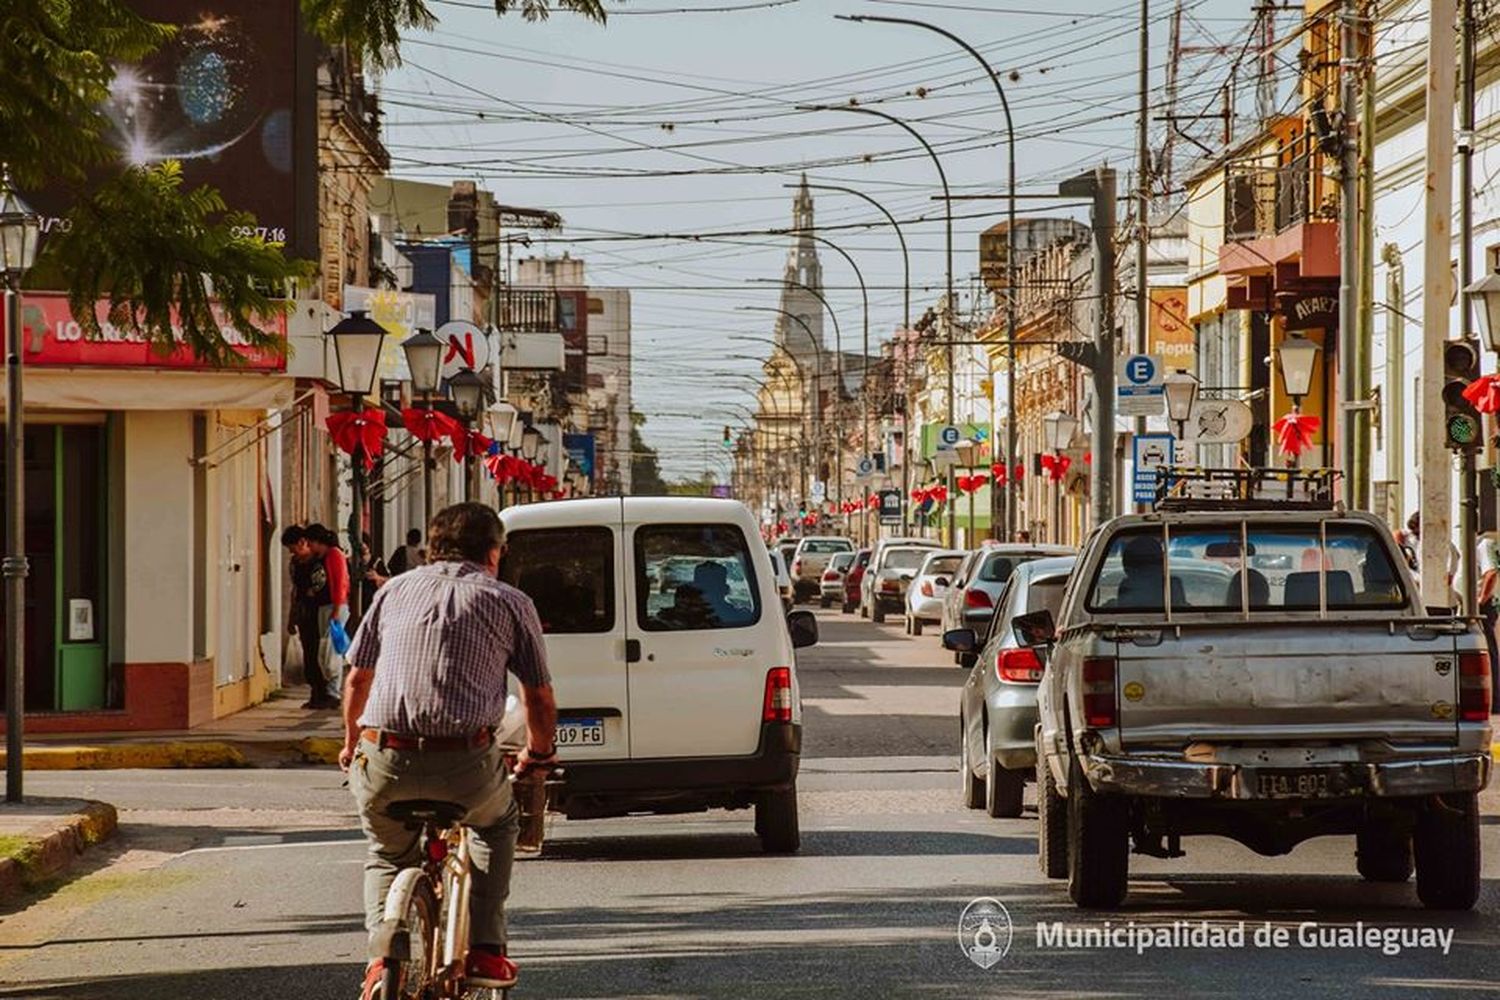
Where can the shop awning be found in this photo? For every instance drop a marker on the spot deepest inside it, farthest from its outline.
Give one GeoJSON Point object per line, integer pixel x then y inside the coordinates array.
{"type": "Point", "coordinates": [137, 389]}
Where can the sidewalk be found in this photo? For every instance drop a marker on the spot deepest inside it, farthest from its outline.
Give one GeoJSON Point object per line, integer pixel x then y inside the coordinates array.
{"type": "Point", "coordinates": [42, 837]}
{"type": "Point", "coordinates": [274, 733]}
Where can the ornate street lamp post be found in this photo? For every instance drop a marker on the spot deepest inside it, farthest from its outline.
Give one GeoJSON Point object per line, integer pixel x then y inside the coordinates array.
{"type": "Point", "coordinates": [501, 422]}
{"type": "Point", "coordinates": [20, 232]}
{"type": "Point", "coordinates": [1057, 433]}
{"type": "Point", "coordinates": [357, 340]}
{"type": "Point", "coordinates": [1181, 390]}
{"type": "Point", "coordinates": [467, 389]}
{"type": "Point", "coordinates": [424, 359]}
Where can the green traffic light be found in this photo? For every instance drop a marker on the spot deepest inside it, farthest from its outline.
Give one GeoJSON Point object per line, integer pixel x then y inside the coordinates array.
{"type": "Point", "coordinates": [1463, 430]}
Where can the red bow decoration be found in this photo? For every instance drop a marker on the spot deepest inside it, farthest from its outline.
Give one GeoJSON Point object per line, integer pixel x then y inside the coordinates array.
{"type": "Point", "coordinates": [1294, 432]}
{"type": "Point", "coordinates": [1056, 466]}
{"type": "Point", "coordinates": [1088, 458]}
{"type": "Point", "coordinates": [939, 493]}
{"type": "Point", "coordinates": [558, 494]}
{"type": "Point", "coordinates": [364, 429]}
{"type": "Point", "coordinates": [1017, 473]}
{"type": "Point", "coordinates": [428, 425]}
{"type": "Point", "coordinates": [918, 495]}
{"type": "Point", "coordinates": [467, 442]}
{"type": "Point", "coordinates": [998, 471]}
{"type": "Point", "coordinates": [501, 467]}
{"type": "Point", "coordinates": [872, 502]}
{"type": "Point", "coordinates": [1484, 393]}
{"type": "Point", "coordinates": [965, 484]}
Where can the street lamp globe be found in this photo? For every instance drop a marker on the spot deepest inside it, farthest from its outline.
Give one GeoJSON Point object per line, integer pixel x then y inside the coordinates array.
{"type": "Point", "coordinates": [357, 340]}
{"type": "Point", "coordinates": [467, 389]}
{"type": "Point", "coordinates": [531, 443]}
{"type": "Point", "coordinates": [424, 359]}
{"type": "Point", "coordinates": [1485, 294]}
{"type": "Point", "coordinates": [20, 231]}
{"type": "Point", "coordinates": [500, 420]}
{"type": "Point", "coordinates": [1181, 389]}
{"type": "Point", "coordinates": [1295, 357]}
{"type": "Point", "coordinates": [1058, 429]}
{"type": "Point", "coordinates": [965, 451]}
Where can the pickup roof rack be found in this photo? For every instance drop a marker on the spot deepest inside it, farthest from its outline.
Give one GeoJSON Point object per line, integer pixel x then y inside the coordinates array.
{"type": "Point", "coordinates": [1192, 488]}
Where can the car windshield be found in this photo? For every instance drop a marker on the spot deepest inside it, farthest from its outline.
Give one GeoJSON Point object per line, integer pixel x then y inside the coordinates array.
{"type": "Point", "coordinates": [941, 565]}
{"type": "Point", "coordinates": [823, 546]}
{"type": "Point", "coordinates": [998, 567]}
{"type": "Point", "coordinates": [1259, 568]}
{"type": "Point", "coordinates": [903, 558]}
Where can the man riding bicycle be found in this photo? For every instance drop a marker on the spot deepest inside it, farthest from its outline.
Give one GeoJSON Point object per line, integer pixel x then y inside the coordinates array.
{"type": "Point", "coordinates": [426, 688]}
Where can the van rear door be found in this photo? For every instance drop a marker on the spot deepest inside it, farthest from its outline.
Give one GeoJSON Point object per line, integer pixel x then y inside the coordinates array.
{"type": "Point", "coordinates": [707, 622]}
{"type": "Point", "coordinates": [572, 573]}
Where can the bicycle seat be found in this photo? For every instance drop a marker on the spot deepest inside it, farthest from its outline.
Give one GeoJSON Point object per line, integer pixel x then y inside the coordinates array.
{"type": "Point", "coordinates": [417, 813]}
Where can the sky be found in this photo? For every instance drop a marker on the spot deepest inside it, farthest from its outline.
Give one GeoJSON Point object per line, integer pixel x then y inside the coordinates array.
{"type": "Point", "coordinates": [683, 118]}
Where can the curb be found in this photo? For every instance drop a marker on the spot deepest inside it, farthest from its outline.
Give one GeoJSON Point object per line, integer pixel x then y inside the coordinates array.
{"type": "Point", "coordinates": [108, 757]}
{"type": "Point", "coordinates": [53, 854]}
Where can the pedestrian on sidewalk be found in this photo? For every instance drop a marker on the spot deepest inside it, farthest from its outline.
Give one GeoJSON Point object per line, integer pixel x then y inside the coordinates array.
{"type": "Point", "coordinates": [410, 555]}
{"type": "Point", "coordinates": [302, 615]}
{"type": "Point", "coordinates": [328, 593]}
{"type": "Point", "coordinates": [426, 688]}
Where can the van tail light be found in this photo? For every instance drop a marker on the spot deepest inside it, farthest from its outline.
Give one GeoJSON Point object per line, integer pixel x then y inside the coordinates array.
{"type": "Point", "coordinates": [778, 704]}
{"type": "Point", "coordinates": [1099, 701]}
{"type": "Point", "coordinates": [976, 598]}
{"type": "Point", "coordinates": [1018, 666]}
{"type": "Point", "coordinates": [926, 588]}
{"type": "Point", "coordinates": [830, 575]}
{"type": "Point", "coordinates": [1474, 694]}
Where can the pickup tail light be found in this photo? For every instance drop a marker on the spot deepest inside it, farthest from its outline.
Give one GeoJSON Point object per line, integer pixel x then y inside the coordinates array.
{"type": "Point", "coordinates": [926, 588]}
{"type": "Point", "coordinates": [1099, 701]}
{"type": "Point", "coordinates": [890, 584]}
{"type": "Point", "coordinates": [778, 703]}
{"type": "Point", "coordinates": [1018, 666]}
{"type": "Point", "coordinates": [1474, 694]}
{"type": "Point", "coordinates": [976, 598]}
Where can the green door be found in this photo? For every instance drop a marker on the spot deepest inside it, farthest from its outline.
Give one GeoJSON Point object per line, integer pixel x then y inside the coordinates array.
{"type": "Point", "coordinates": [80, 555]}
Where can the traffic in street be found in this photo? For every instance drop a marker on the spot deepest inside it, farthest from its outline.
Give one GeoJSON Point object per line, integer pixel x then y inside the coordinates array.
{"type": "Point", "coordinates": [245, 884]}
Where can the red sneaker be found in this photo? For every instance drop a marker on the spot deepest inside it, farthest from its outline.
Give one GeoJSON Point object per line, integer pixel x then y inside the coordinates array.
{"type": "Point", "coordinates": [491, 971]}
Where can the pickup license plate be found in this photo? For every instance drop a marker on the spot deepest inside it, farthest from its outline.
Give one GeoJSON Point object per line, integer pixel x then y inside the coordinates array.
{"type": "Point", "coordinates": [580, 733]}
{"type": "Point", "coordinates": [1271, 783]}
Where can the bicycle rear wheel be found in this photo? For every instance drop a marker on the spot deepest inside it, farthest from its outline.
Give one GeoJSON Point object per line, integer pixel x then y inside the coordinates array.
{"type": "Point", "coordinates": [415, 907]}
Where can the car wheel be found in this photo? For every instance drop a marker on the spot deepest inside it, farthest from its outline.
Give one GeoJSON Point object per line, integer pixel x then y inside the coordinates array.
{"type": "Point", "coordinates": [971, 783]}
{"type": "Point", "coordinates": [1382, 854]}
{"type": "Point", "coordinates": [877, 614]}
{"type": "Point", "coordinates": [1052, 824]}
{"type": "Point", "coordinates": [864, 612]}
{"type": "Point", "coordinates": [776, 821]}
{"type": "Point", "coordinates": [1003, 792]}
{"type": "Point", "coordinates": [916, 625]}
{"type": "Point", "coordinates": [1098, 845]}
{"type": "Point", "coordinates": [825, 602]}
{"type": "Point", "coordinates": [1446, 845]}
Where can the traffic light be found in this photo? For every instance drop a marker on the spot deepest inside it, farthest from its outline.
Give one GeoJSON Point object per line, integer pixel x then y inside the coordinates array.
{"type": "Point", "coordinates": [1462, 429]}
{"type": "Point", "coordinates": [728, 443]}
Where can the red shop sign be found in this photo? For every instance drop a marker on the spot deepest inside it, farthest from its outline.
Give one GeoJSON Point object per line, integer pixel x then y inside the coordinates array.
{"type": "Point", "coordinates": [54, 338]}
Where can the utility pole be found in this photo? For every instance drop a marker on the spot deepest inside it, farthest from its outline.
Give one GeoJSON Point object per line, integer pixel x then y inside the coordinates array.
{"type": "Point", "coordinates": [1365, 293]}
{"type": "Point", "coordinates": [1437, 293]}
{"type": "Point", "coordinates": [1351, 419]}
{"type": "Point", "coordinates": [1468, 502]}
{"type": "Point", "coordinates": [1143, 228]}
{"type": "Point", "coordinates": [1099, 185]}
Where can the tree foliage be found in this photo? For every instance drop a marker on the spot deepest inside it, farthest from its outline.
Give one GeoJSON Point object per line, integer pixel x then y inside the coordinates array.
{"type": "Point", "coordinates": [156, 250]}
{"type": "Point", "coordinates": [645, 466]}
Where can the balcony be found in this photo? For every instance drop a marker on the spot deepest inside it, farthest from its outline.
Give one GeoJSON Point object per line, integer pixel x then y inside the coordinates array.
{"type": "Point", "coordinates": [528, 310]}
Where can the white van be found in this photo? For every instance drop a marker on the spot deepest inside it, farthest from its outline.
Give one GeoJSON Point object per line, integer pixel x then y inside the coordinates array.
{"type": "Point", "coordinates": [671, 657]}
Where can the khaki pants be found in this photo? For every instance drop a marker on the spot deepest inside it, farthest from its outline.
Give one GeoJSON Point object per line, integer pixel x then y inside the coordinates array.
{"type": "Point", "coordinates": [472, 778]}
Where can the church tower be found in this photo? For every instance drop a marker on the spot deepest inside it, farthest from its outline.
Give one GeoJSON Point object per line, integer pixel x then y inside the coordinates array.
{"type": "Point", "coordinates": [803, 272]}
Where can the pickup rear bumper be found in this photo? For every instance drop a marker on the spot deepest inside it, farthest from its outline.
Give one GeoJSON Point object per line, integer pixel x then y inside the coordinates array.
{"type": "Point", "coordinates": [1179, 779]}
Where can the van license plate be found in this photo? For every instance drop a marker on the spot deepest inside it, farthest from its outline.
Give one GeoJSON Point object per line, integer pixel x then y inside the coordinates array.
{"type": "Point", "coordinates": [580, 733]}
{"type": "Point", "coordinates": [1296, 784]}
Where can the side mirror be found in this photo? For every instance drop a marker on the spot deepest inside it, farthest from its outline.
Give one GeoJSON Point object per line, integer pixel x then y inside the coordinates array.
{"type": "Point", "coordinates": [906, 576]}
{"type": "Point", "coordinates": [803, 627]}
{"type": "Point", "coordinates": [941, 581]}
{"type": "Point", "coordinates": [961, 640]}
{"type": "Point", "coordinates": [1035, 628]}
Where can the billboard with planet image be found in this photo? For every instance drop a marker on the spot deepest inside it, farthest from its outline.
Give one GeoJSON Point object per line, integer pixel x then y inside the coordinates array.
{"type": "Point", "coordinates": [230, 99]}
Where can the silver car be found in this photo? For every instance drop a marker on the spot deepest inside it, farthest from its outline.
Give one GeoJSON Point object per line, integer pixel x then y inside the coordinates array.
{"type": "Point", "coordinates": [997, 709]}
{"type": "Point", "coordinates": [831, 586]}
{"type": "Point", "coordinates": [924, 598]}
{"type": "Point", "coordinates": [889, 576]}
{"type": "Point", "coordinates": [970, 601]}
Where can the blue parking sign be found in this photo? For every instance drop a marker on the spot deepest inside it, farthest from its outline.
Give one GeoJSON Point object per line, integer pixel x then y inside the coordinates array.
{"type": "Point", "coordinates": [1140, 369]}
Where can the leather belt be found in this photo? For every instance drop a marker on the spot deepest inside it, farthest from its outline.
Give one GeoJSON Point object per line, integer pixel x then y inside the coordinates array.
{"type": "Point", "coordinates": [386, 740]}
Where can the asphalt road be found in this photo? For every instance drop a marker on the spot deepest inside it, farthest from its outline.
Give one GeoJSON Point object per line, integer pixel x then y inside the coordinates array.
{"type": "Point", "coordinates": [239, 885]}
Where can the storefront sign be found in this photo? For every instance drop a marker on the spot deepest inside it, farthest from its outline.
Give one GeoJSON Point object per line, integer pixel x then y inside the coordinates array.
{"type": "Point", "coordinates": [54, 338]}
{"type": "Point", "coordinates": [890, 506]}
{"type": "Point", "coordinates": [1172, 337]}
{"type": "Point", "coordinates": [1311, 312]}
{"type": "Point", "coordinates": [580, 448]}
{"type": "Point", "coordinates": [401, 313]}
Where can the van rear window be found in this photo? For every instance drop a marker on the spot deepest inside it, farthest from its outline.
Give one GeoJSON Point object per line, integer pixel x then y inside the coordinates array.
{"type": "Point", "coordinates": [692, 577]}
{"type": "Point", "coordinates": [569, 574]}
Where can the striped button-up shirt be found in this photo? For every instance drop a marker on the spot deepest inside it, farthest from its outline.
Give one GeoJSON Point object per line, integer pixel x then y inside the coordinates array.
{"type": "Point", "coordinates": [440, 639]}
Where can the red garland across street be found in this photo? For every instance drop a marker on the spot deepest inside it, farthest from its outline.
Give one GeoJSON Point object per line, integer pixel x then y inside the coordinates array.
{"type": "Point", "coordinates": [356, 429]}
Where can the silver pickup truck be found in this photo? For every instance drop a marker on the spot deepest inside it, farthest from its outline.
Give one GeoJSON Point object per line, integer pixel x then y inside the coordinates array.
{"type": "Point", "coordinates": [1268, 675]}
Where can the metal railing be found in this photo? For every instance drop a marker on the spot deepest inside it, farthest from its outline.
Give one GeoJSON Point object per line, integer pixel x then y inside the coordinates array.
{"type": "Point", "coordinates": [528, 310]}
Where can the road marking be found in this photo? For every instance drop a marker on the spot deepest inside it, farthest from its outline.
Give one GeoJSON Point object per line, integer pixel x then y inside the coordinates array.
{"type": "Point", "coordinates": [270, 847]}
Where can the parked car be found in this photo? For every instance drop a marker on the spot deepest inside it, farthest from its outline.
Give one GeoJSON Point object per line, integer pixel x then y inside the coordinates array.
{"type": "Point", "coordinates": [854, 579]}
{"type": "Point", "coordinates": [877, 553]}
{"type": "Point", "coordinates": [831, 588]}
{"type": "Point", "coordinates": [997, 709]}
{"type": "Point", "coordinates": [924, 598]}
{"type": "Point", "coordinates": [970, 601]}
{"type": "Point", "coordinates": [1309, 693]}
{"type": "Point", "coordinates": [888, 577]}
{"type": "Point", "coordinates": [783, 579]}
{"type": "Point", "coordinates": [810, 559]}
{"type": "Point", "coordinates": [668, 701]}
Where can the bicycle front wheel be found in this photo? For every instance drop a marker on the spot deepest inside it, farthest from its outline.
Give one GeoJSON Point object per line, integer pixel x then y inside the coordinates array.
{"type": "Point", "coordinates": [413, 903]}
